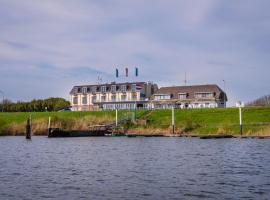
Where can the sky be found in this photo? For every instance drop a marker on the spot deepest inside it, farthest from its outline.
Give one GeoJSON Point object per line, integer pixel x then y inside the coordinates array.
{"type": "Point", "coordinates": [48, 46]}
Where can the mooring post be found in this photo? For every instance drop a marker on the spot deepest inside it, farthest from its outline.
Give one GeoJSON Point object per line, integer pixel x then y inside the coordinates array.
{"type": "Point", "coordinates": [29, 128]}
{"type": "Point", "coordinates": [49, 125]}
{"type": "Point", "coordinates": [173, 126]}
{"type": "Point", "coordinates": [240, 120]}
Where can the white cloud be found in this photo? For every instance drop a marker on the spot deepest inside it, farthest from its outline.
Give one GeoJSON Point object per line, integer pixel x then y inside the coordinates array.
{"type": "Point", "coordinates": [211, 40]}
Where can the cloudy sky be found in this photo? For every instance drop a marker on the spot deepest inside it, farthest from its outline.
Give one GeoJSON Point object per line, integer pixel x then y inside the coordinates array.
{"type": "Point", "coordinates": [47, 46]}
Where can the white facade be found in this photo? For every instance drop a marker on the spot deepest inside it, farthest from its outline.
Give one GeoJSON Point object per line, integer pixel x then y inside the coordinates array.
{"type": "Point", "coordinates": [111, 96]}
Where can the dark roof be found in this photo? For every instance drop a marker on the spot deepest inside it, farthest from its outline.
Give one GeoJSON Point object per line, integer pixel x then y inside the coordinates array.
{"type": "Point", "coordinates": [108, 85]}
{"type": "Point", "coordinates": [191, 90]}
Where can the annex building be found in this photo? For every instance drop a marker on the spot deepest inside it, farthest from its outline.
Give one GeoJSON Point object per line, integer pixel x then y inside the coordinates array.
{"type": "Point", "coordinates": [194, 96]}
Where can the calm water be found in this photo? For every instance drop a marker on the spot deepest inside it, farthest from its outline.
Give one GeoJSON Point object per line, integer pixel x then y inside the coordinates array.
{"type": "Point", "coordinates": [134, 168]}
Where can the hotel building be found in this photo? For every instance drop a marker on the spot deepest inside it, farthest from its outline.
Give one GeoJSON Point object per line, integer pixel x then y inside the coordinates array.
{"type": "Point", "coordinates": [112, 96]}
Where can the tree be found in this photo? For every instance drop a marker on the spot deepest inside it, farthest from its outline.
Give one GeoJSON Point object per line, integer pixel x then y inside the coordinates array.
{"type": "Point", "coordinates": [36, 105]}
{"type": "Point", "coordinates": [262, 101]}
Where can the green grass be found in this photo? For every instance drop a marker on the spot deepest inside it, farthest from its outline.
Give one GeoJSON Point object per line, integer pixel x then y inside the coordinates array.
{"type": "Point", "coordinates": [211, 120]}
{"type": "Point", "coordinates": [199, 121]}
{"type": "Point", "coordinates": [20, 118]}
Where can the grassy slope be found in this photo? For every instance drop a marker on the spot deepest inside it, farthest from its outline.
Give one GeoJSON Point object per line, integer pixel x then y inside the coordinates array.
{"type": "Point", "coordinates": [199, 121]}
{"type": "Point", "coordinates": [14, 123]}
{"type": "Point", "coordinates": [206, 121]}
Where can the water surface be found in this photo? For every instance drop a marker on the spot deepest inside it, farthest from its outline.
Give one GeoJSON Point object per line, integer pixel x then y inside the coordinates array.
{"type": "Point", "coordinates": [134, 168]}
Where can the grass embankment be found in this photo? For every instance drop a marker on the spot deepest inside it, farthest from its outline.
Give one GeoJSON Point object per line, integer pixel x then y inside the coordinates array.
{"type": "Point", "coordinates": [256, 121]}
{"type": "Point", "coordinates": [14, 123]}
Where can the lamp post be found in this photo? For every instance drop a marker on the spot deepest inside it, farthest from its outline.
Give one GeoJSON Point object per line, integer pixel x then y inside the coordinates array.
{"type": "Point", "coordinates": [224, 98]}
{"type": "Point", "coordinates": [240, 105]}
{"type": "Point", "coordinates": [3, 95]}
{"type": "Point", "coordinates": [173, 124]}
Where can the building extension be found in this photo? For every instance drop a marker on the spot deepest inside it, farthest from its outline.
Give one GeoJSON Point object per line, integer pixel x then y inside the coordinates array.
{"type": "Point", "coordinates": [195, 96]}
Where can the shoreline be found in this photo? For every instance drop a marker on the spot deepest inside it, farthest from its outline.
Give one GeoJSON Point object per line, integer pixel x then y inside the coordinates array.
{"type": "Point", "coordinates": [188, 123]}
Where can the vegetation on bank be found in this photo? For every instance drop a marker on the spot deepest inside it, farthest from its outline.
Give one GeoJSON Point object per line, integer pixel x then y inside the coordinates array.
{"type": "Point", "coordinates": [256, 121]}
{"type": "Point", "coordinates": [36, 105]}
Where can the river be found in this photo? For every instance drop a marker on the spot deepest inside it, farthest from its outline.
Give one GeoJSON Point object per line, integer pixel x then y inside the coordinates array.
{"type": "Point", "coordinates": [134, 168]}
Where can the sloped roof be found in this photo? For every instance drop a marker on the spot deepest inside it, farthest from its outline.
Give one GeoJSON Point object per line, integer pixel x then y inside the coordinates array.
{"type": "Point", "coordinates": [190, 90]}
{"type": "Point", "coordinates": [108, 86]}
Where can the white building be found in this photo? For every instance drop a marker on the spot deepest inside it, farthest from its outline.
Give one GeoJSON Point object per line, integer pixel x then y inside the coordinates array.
{"type": "Point", "coordinates": [112, 96]}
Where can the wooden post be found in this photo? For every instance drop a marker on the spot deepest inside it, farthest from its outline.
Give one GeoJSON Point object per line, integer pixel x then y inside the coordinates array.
{"type": "Point", "coordinates": [173, 125]}
{"type": "Point", "coordinates": [240, 120]}
{"type": "Point", "coordinates": [116, 117]}
{"type": "Point", "coordinates": [49, 125]}
{"type": "Point", "coordinates": [29, 128]}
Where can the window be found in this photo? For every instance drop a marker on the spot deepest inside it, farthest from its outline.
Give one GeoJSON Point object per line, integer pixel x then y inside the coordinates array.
{"type": "Point", "coordinates": [88, 89]}
{"type": "Point", "coordinates": [75, 100]}
{"type": "Point", "coordinates": [103, 98]}
{"type": "Point", "coordinates": [134, 97]}
{"type": "Point", "coordinates": [78, 90]}
{"type": "Point", "coordinates": [113, 98]}
{"type": "Point", "coordinates": [182, 95]}
{"type": "Point", "coordinates": [162, 97]}
{"type": "Point", "coordinates": [103, 89]}
{"type": "Point", "coordinates": [84, 90]}
{"type": "Point", "coordinates": [133, 87]}
{"type": "Point", "coordinates": [123, 88]}
{"type": "Point", "coordinates": [84, 99]}
{"type": "Point", "coordinates": [94, 99]}
{"type": "Point", "coordinates": [94, 88]}
{"type": "Point", "coordinates": [113, 88]}
{"type": "Point", "coordinates": [123, 97]}
{"type": "Point", "coordinates": [204, 95]}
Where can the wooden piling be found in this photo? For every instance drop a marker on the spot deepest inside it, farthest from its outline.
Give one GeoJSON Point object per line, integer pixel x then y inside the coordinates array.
{"type": "Point", "coordinates": [29, 128]}
{"type": "Point", "coordinates": [49, 126]}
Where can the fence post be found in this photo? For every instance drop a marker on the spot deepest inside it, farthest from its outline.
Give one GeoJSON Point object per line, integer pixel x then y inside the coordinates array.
{"type": "Point", "coordinates": [173, 125]}
{"type": "Point", "coordinates": [240, 120]}
{"type": "Point", "coordinates": [116, 117]}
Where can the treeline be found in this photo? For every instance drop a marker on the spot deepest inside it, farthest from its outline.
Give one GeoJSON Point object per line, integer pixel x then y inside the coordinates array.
{"type": "Point", "coordinates": [262, 101]}
{"type": "Point", "coordinates": [36, 105]}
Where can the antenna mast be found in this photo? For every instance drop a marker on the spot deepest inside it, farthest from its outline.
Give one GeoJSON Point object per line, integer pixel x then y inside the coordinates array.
{"type": "Point", "coordinates": [185, 79]}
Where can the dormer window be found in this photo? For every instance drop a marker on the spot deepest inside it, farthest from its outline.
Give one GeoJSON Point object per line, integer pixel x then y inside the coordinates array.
{"type": "Point", "coordinates": [162, 96]}
{"type": "Point", "coordinates": [133, 87]}
{"type": "Point", "coordinates": [84, 90]}
{"type": "Point", "coordinates": [123, 88]}
{"type": "Point", "coordinates": [204, 94]}
{"type": "Point", "coordinates": [182, 95]}
{"type": "Point", "coordinates": [79, 90]}
{"type": "Point", "coordinates": [103, 89]}
{"type": "Point", "coordinates": [113, 88]}
{"type": "Point", "coordinates": [94, 88]}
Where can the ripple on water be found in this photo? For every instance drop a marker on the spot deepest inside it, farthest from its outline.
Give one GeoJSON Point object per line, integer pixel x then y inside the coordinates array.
{"type": "Point", "coordinates": [134, 168]}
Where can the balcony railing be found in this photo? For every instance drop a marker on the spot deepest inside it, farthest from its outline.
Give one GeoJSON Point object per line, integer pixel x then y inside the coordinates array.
{"type": "Point", "coordinates": [119, 100]}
